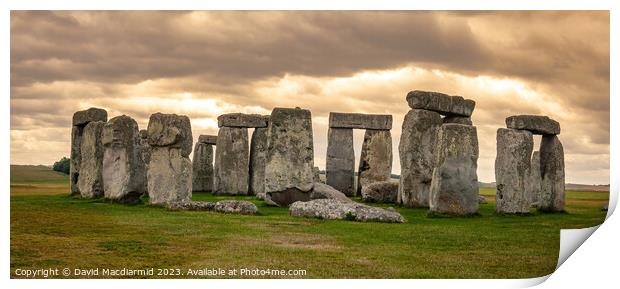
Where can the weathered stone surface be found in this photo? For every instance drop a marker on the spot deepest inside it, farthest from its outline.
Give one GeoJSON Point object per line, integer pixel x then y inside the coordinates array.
{"type": "Point", "coordinates": [90, 180]}
{"type": "Point", "coordinates": [169, 176]}
{"type": "Point", "coordinates": [552, 171]}
{"type": "Point", "coordinates": [457, 119]}
{"type": "Point", "coordinates": [227, 206]}
{"type": "Point", "coordinates": [323, 191]}
{"type": "Point", "coordinates": [416, 151]}
{"type": "Point", "coordinates": [83, 117]}
{"type": "Point", "coordinates": [441, 103]}
{"type": "Point", "coordinates": [512, 170]}
{"type": "Point", "coordinates": [208, 139]}
{"type": "Point", "coordinates": [231, 174]}
{"type": "Point", "coordinates": [376, 158]}
{"type": "Point", "coordinates": [202, 164]}
{"type": "Point", "coordinates": [317, 174]}
{"type": "Point", "coordinates": [242, 120]}
{"type": "Point", "coordinates": [537, 124]}
{"type": "Point", "coordinates": [124, 174]}
{"type": "Point", "coordinates": [380, 192]}
{"type": "Point", "coordinates": [290, 156]}
{"type": "Point", "coordinates": [482, 199]}
{"type": "Point", "coordinates": [145, 150]}
{"type": "Point", "coordinates": [258, 155]}
{"type": "Point", "coordinates": [360, 121]}
{"type": "Point", "coordinates": [340, 161]}
{"type": "Point", "coordinates": [454, 188]}
{"type": "Point", "coordinates": [535, 179]}
{"type": "Point", "coordinates": [338, 210]}
{"type": "Point", "coordinates": [170, 130]}
{"type": "Point", "coordinates": [144, 134]}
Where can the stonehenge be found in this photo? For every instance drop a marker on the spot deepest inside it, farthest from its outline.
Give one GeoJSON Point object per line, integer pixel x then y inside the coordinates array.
{"type": "Point", "coordinates": [289, 160]}
{"type": "Point", "coordinates": [232, 159]}
{"type": "Point", "coordinates": [376, 155]}
{"type": "Point", "coordinates": [124, 173]}
{"type": "Point", "coordinates": [523, 178]}
{"type": "Point", "coordinates": [202, 164]}
{"type": "Point", "coordinates": [169, 170]}
{"type": "Point", "coordinates": [79, 122]}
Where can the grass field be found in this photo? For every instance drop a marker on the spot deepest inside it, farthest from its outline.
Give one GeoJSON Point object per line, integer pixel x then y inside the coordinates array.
{"type": "Point", "coordinates": [51, 229]}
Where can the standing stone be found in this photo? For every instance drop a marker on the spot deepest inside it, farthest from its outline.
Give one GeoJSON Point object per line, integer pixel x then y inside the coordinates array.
{"type": "Point", "coordinates": [231, 176]}
{"type": "Point", "coordinates": [90, 180]}
{"type": "Point", "coordinates": [170, 170]}
{"type": "Point", "coordinates": [376, 158]}
{"type": "Point", "coordinates": [145, 150]}
{"type": "Point", "coordinates": [79, 121]}
{"type": "Point", "coordinates": [202, 172]}
{"type": "Point", "coordinates": [416, 151]}
{"type": "Point", "coordinates": [340, 162]}
{"type": "Point", "coordinates": [535, 179]}
{"type": "Point", "coordinates": [512, 170]}
{"type": "Point", "coordinates": [457, 119]}
{"type": "Point", "coordinates": [290, 156]}
{"type": "Point", "coordinates": [552, 172]}
{"type": "Point", "coordinates": [124, 172]}
{"type": "Point", "coordinates": [258, 155]}
{"type": "Point", "coordinates": [317, 175]}
{"type": "Point", "coordinates": [454, 188]}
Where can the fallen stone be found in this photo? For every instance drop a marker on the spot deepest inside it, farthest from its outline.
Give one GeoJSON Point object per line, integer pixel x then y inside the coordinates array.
{"type": "Point", "coordinates": [360, 121]}
{"type": "Point", "coordinates": [416, 151]}
{"type": "Point", "coordinates": [242, 120]}
{"type": "Point", "coordinates": [441, 103]}
{"type": "Point", "coordinates": [323, 191]}
{"type": "Point", "coordinates": [258, 155]}
{"type": "Point", "coordinates": [537, 124]}
{"type": "Point", "coordinates": [376, 158]}
{"type": "Point", "coordinates": [170, 130]}
{"type": "Point", "coordinates": [124, 174]}
{"type": "Point", "coordinates": [457, 119]}
{"type": "Point", "coordinates": [380, 192]}
{"type": "Point", "coordinates": [340, 161]}
{"type": "Point", "coordinates": [202, 168]}
{"type": "Point", "coordinates": [552, 197]}
{"type": "Point", "coordinates": [290, 156]}
{"type": "Point", "coordinates": [90, 180]}
{"type": "Point", "coordinates": [512, 171]}
{"type": "Point", "coordinates": [227, 206]}
{"type": "Point", "coordinates": [231, 173]}
{"type": "Point", "coordinates": [83, 117]}
{"type": "Point", "coordinates": [535, 178]}
{"type": "Point", "coordinates": [207, 139]}
{"type": "Point", "coordinates": [331, 209]}
{"type": "Point", "coordinates": [454, 188]}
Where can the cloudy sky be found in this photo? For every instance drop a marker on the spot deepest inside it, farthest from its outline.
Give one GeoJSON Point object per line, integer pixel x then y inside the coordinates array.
{"type": "Point", "coordinates": [203, 64]}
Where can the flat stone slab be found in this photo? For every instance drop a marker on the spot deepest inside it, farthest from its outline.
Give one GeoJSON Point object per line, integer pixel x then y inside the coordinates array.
{"type": "Point", "coordinates": [226, 206]}
{"type": "Point", "coordinates": [83, 117]}
{"type": "Point", "coordinates": [207, 139]}
{"type": "Point", "coordinates": [360, 121]}
{"type": "Point", "coordinates": [242, 120]}
{"type": "Point", "coordinates": [441, 103]}
{"type": "Point", "coordinates": [537, 124]}
{"type": "Point", "coordinates": [332, 209]}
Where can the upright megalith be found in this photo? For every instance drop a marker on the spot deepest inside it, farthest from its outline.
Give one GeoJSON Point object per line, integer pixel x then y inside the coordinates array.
{"type": "Point", "coordinates": [79, 122]}
{"type": "Point", "coordinates": [170, 170]}
{"type": "Point", "coordinates": [231, 175]}
{"type": "Point", "coordinates": [124, 172]}
{"type": "Point", "coordinates": [512, 170]}
{"type": "Point", "coordinates": [202, 164]}
{"type": "Point", "coordinates": [90, 180]}
{"type": "Point", "coordinates": [145, 150]}
{"type": "Point", "coordinates": [258, 155]}
{"type": "Point", "coordinates": [534, 184]}
{"type": "Point", "coordinates": [340, 162]}
{"type": "Point", "coordinates": [417, 147]}
{"type": "Point", "coordinates": [552, 173]}
{"type": "Point", "coordinates": [376, 158]}
{"type": "Point", "coordinates": [454, 188]}
{"type": "Point", "coordinates": [290, 156]}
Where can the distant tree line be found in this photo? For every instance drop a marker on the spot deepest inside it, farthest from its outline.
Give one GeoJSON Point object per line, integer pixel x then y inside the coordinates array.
{"type": "Point", "coordinates": [62, 165]}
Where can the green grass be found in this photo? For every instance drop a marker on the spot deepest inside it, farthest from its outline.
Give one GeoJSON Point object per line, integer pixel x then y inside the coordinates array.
{"type": "Point", "coordinates": [52, 229]}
